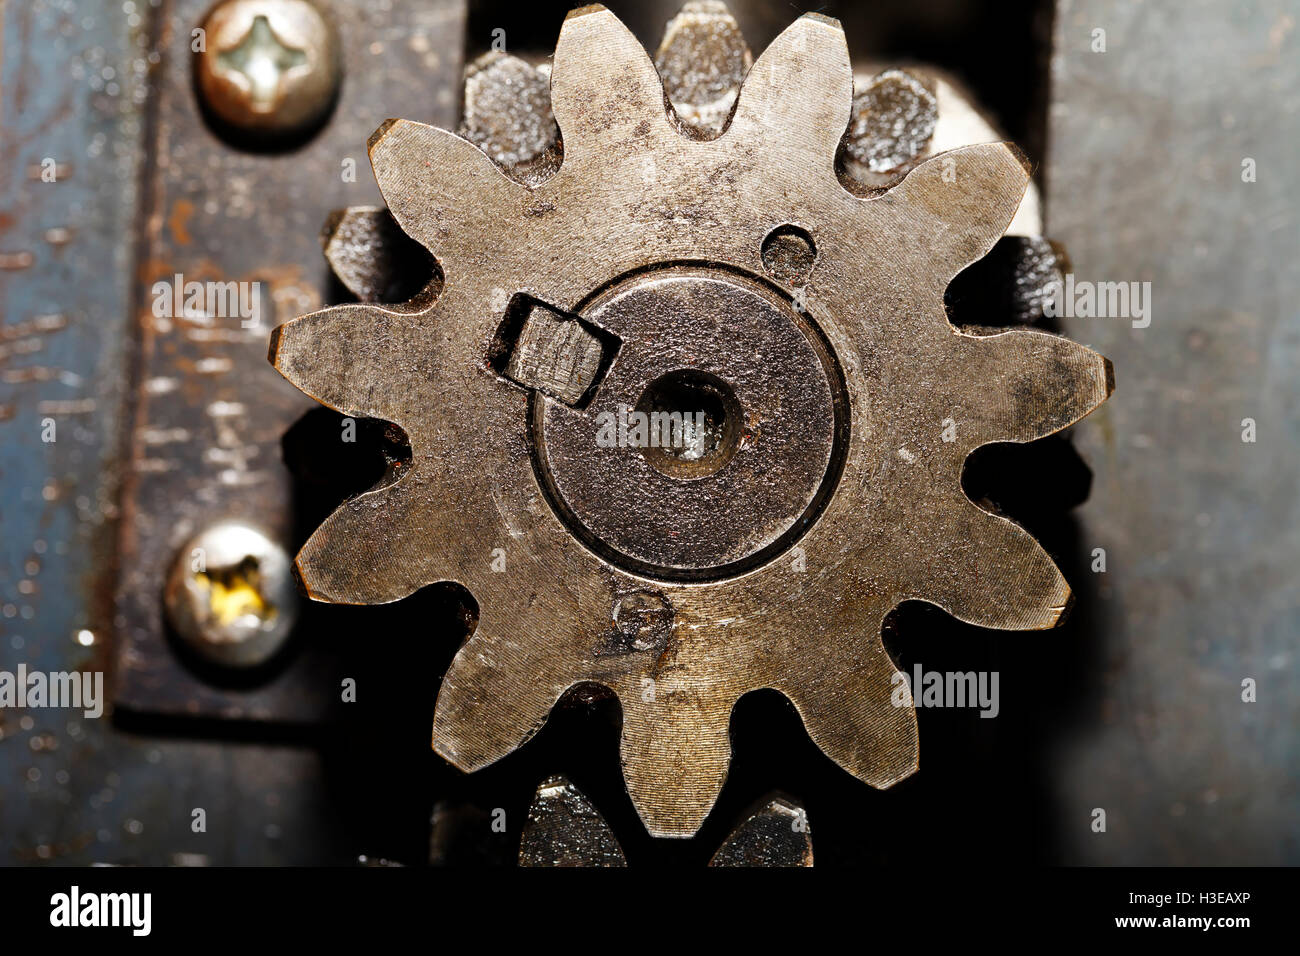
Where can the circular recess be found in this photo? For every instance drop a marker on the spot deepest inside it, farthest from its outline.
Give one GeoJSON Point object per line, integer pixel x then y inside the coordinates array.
{"type": "Point", "coordinates": [734, 484]}
{"type": "Point", "coordinates": [789, 254]}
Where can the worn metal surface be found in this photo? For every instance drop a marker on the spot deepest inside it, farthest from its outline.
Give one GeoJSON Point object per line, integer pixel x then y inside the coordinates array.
{"type": "Point", "coordinates": [633, 194]}
{"type": "Point", "coordinates": [775, 835]}
{"type": "Point", "coordinates": [564, 829]}
{"type": "Point", "coordinates": [1201, 530]}
{"type": "Point", "coordinates": [73, 88]}
{"type": "Point", "coordinates": [696, 342]}
{"type": "Point", "coordinates": [209, 414]}
{"type": "Point", "coordinates": [268, 66]}
{"type": "Point", "coordinates": [555, 354]}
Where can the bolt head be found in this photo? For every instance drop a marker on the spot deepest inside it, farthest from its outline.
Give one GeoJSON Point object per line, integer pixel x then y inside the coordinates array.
{"type": "Point", "coordinates": [230, 595]}
{"type": "Point", "coordinates": [269, 66]}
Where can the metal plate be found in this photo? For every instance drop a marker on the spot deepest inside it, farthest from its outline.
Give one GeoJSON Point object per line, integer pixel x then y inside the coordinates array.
{"type": "Point", "coordinates": [209, 413]}
{"type": "Point", "coordinates": [1201, 530]}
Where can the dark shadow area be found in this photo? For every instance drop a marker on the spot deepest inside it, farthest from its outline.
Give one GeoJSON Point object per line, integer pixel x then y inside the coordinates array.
{"type": "Point", "coordinates": [999, 50]}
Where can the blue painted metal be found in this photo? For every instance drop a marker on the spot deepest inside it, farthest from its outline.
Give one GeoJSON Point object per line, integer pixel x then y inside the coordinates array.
{"type": "Point", "coordinates": [73, 88]}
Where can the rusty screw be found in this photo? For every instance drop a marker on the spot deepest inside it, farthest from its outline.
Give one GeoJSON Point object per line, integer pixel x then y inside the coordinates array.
{"type": "Point", "coordinates": [268, 66]}
{"type": "Point", "coordinates": [230, 595]}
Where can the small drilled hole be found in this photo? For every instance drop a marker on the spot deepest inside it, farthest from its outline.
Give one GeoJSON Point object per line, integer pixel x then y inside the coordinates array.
{"type": "Point", "coordinates": [789, 254]}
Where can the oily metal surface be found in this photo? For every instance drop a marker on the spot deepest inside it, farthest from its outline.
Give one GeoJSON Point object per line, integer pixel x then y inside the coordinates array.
{"type": "Point", "coordinates": [565, 829]}
{"type": "Point", "coordinates": [633, 193]}
{"type": "Point", "coordinates": [775, 835]}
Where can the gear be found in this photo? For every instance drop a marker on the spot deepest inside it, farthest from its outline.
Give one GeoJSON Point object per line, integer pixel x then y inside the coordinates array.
{"type": "Point", "coordinates": [735, 277]}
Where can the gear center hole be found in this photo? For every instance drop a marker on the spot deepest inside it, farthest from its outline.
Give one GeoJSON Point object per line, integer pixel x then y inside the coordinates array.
{"type": "Point", "coordinates": [692, 424]}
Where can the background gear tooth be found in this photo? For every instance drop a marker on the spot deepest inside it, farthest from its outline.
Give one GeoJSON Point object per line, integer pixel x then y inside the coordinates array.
{"type": "Point", "coordinates": [565, 829]}
{"type": "Point", "coordinates": [372, 257]}
{"type": "Point", "coordinates": [894, 117]}
{"type": "Point", "coordinates": [777, 834]}
{"type": "Point", "coordinates": [1008, 285]}
{"type": "Point", "coordinates": [703, 59]}
{"type": "Point", "coordinates": [508, 115]}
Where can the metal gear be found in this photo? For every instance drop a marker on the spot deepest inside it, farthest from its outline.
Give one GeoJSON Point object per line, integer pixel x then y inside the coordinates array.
{"type": "Point", "coordinates": [736, 274]}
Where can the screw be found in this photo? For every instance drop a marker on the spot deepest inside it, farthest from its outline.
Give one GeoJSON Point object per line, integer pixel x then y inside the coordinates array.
{"type": "Point", "coordinates": [230, 595]}
{"type": "Point", "coordinates": [269, 66]}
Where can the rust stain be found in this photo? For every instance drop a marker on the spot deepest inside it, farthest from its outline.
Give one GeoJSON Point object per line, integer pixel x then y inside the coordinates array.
{"type": "Point", "coordinates": [178, 221]}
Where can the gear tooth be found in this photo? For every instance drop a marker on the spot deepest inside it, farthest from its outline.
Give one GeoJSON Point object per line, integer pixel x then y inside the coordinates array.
{"type": "Point", "coordinates": [361, 553]}
{"type": "Point", "coordinates": [702, 60]}
{"type": "Point", "coordinates": [367, 251]}
{"type": "Point", "coordinates": [1045, 383]}
{"type": "Point", "coordinates": [564, 828]}
{"type": "Point", "coordinates": [605, 93]}
{"type": "Point", "coordinates": [675, 737]}
{"type": "Point", "coordinates": [848, 705]}
{"type": "Point", "coordinates": [776, 835]}
{"type": "Point", "coordinates": [996, 575]}
{"type": "Point", "coordinates": [798, 97]}
{"type": "Point", "coordinates": [426, 173]}
{"type": "Point", "coordinates": [494, 697]}
{"type": "Point", "coordinates": [951, 209]}
{"type": "Point", "coordinates": [342, 357]}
